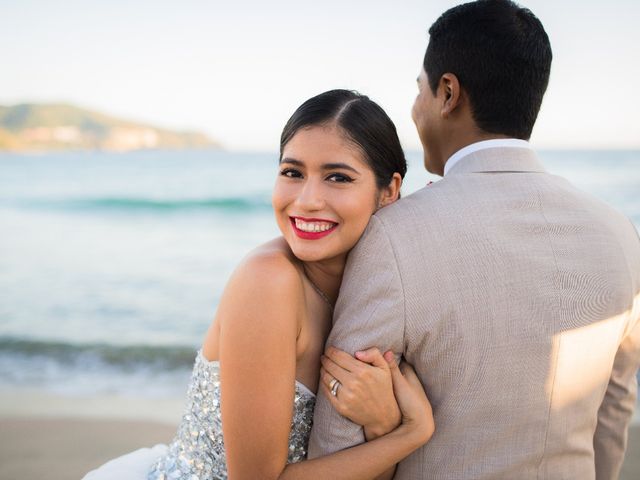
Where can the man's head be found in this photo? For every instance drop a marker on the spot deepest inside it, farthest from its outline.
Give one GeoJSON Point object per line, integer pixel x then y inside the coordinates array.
{"type": "Point", "coordinates": [485, 72]}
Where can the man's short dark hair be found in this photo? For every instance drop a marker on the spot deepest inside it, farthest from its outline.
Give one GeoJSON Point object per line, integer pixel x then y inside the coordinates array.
{"type": "Point", "coordinates": [501, 56]}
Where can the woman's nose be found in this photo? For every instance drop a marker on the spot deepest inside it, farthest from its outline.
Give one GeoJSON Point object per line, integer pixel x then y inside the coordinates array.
{"type": "Point", "coordinates": [311, 196]}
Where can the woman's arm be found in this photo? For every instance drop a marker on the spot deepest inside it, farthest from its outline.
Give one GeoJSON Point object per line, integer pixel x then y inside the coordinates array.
{"type": "Point", "coordinates": [377, 458]}
{"type": "Point", "coordinates": [258, 318]}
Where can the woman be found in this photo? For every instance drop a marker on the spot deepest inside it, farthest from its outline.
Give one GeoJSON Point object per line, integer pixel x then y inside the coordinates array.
{"type": "Point", "coordinates": [340, 161]}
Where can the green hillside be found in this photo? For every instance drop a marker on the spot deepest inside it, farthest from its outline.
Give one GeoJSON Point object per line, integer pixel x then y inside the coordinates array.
{"type": "Point", "coordinates": [43, 127]}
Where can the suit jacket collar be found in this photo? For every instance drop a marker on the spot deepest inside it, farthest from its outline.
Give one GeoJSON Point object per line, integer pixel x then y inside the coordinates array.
{"type": "Point", "coordinates": [499, 159]}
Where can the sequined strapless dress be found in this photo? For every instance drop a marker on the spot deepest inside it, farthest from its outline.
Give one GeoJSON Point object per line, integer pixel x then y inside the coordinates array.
{"type": "Point", "coordinates": [197, 451]}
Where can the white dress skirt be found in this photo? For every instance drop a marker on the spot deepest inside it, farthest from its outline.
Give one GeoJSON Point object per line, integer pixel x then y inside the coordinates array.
{"type": "Point", "coordinates": [134, 465]}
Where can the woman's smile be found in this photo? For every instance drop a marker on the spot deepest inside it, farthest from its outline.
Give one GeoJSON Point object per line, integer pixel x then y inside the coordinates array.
{"type": "Point", "coordinates": [312, 228]}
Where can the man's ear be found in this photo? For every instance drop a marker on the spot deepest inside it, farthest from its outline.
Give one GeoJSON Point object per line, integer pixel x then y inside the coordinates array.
{"type": "Point", "coordinates": [449, 93]}
{"type": "Point", "coordinates": [391, 192]}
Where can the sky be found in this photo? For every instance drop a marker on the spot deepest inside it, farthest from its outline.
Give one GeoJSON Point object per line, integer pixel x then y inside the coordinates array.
{"type": "Point", "coordinates": [237, 70]}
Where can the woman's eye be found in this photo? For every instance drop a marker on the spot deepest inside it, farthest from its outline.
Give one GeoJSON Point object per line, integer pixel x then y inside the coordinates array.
{"type": "Point", "coordinates": [291, 173]}
{"type": "Point", "coordinates": [339, 178]}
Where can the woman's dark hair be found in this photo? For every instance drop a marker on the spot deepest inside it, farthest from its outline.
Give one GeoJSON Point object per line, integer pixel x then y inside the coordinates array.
{"type": "Point", "coordinates": [502, 57]}
{"type": "Point", "coordinates": [363, 122]}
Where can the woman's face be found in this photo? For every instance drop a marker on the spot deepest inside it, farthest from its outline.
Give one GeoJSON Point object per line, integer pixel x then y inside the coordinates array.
{"type": "Point", "coordinates": [324, 195]}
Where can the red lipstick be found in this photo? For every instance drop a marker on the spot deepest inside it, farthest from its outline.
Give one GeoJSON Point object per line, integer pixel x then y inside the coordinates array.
{"type": "Point", "coordinates": [311, 235]}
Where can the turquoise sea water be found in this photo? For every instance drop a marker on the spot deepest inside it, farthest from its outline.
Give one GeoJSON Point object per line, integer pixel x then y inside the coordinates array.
{"type": "Point", "coordinates": [111, 265]}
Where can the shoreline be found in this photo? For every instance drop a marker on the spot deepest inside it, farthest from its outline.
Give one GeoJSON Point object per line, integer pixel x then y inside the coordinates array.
{"type": "Point", "coordinates": [44, 435]}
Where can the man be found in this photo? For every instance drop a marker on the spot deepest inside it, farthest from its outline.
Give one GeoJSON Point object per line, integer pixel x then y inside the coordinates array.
{"type": "Point", "coordinates": [514, 295]}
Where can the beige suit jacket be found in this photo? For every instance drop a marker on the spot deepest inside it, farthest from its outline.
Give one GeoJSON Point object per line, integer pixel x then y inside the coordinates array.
{"type": "Point", "coordinates": [516, 298]}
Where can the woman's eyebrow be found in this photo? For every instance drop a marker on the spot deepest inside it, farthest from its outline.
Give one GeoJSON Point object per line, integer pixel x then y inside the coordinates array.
{"type": "Point", "coordinates": [292, 161]}
{"type": "Point", "coordinates": [339, 166]}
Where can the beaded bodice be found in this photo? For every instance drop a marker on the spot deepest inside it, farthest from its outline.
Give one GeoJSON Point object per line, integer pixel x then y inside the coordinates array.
{"type": "Point", "coordinates": [197, 451]}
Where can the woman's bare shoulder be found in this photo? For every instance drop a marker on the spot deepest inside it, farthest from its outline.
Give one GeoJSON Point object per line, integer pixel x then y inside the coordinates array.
{"type": "Point", "coordinates": [270, 268]}
{"type": "Point", "coordinates": [264, 297]}
{"type": "Point", "coordinates": [272, 258]}
{"type": "Point", "coordinates": [265, 288]}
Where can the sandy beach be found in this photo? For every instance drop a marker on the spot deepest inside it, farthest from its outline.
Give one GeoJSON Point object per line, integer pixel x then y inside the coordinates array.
{"type": "Point", "coordinates": [66, 449]}
{"type": "Point", "coordinates": [59, 438]}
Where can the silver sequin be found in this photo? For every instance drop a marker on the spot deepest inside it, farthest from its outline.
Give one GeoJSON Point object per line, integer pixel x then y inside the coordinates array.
{"type": "Point", "coordinates": [197, 451]}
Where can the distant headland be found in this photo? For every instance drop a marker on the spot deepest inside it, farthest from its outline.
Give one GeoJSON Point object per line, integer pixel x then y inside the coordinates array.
{"type": "Point", "coordinates": [58, 127]}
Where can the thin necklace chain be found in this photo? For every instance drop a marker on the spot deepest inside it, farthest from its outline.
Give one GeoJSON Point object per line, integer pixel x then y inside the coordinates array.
{"type": "Point", "coordinates": [317, 289]}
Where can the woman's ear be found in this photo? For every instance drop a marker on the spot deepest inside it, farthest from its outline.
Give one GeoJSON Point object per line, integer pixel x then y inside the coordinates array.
{"type": "Point", "coordinates": [391, 192]}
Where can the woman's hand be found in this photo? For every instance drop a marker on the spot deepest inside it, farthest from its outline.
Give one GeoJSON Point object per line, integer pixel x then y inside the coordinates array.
{"type": "Point", "coordinates": [417, 414]}
{"type": "Point", "coordinates": [366, 391]}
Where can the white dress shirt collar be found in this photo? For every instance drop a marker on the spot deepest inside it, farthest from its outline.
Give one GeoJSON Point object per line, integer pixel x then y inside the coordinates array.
{"type": "Point", "coordinates": [474, 147]}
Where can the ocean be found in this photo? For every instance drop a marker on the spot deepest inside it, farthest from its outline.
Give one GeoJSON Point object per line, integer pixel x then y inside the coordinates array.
{"type": "Point", "coordinates": [111, 265]}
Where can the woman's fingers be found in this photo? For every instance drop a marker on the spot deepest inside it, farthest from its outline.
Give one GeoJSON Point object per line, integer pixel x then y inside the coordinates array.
{"type": "Point", "coordinates": [341, 358]}
{"type": "Point", "coordinates": [328, 380]}
{"type": "Point", "coordinates": [412, 380]}
{"type": "Point", "coordinates": [406, 383]}
{"type": "Point", "coordinates": [334, 370]}
{"type": "Point", "coordinates": [412, 399]}
{"type": "Point", "coordinates": [392, 363]}
{"type": "Point", "coordinates": [325, 377]}
{"type": "Point", "coordinates": [403, 372]}
{"type": "Point", "coordinates": [332, 399]}
{"type": "Point", "coordinates": [365, 394]}
{"type": "Point", "coordinates": [390, 358]}
{"type": "Point", "coordinates": [372, 356]}
{"type": "Point", "coordinates": [409, 373]}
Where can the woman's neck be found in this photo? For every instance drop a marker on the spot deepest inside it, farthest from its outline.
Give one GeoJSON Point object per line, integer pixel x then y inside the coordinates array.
{"type": "Point", "coordinates": [326, 275]}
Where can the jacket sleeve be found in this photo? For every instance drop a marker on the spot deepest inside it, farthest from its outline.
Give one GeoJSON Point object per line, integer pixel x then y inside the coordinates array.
{"type": "Point", "coordinates": [369, 313]}
{"type": "Point", "coordinates": [616, 410]}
